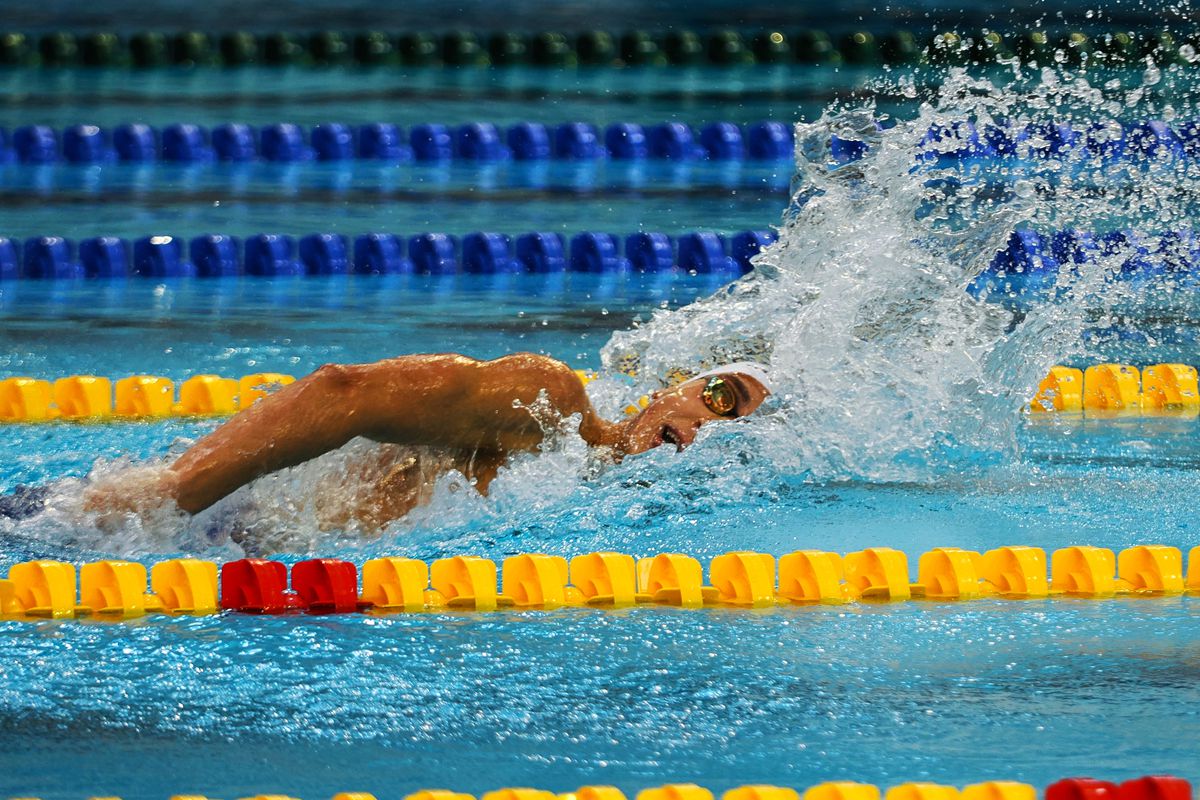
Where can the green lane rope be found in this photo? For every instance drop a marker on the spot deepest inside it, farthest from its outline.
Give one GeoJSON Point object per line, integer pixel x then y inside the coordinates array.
{"type": "Point", "coordinates": [589, 48]}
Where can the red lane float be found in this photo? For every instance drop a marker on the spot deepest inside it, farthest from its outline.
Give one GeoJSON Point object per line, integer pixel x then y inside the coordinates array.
{"type": "Point", "coordinates": [1081, 789]}
{"type": "Point", "coordinates": [257, 586]}
{"type": "Point", "coordinates": [1155, 787]}
{"type": "Point", "coordinates": [319, 586]}
{"type": "Point", "coordinates": [326, 585]}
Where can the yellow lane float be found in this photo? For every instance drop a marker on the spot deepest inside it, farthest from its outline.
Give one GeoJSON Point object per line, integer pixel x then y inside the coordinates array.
{"type": "Point", "coordinates": [118, 589]}
{"type": "Point", "coordinates": [90, 397]}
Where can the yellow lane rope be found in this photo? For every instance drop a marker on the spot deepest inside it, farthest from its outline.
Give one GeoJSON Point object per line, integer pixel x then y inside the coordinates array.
{"type": "Point", "coordinates": [118, 589]}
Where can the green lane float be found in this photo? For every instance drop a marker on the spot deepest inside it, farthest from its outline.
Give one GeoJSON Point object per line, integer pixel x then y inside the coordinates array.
{"type": "Point", "coordinates": [117, 589]}
{"type": "Point", "coordinates": [587, 48]}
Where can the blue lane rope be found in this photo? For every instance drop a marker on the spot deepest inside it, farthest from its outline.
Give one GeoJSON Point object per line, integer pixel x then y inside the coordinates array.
{"type": "Point", "coordinates": [472, 142]}
{"type": "Point", "coordinates": [484, 142]}
{"type": "Point", "coordinates": [945, 145]}
{"type": "Point", "coordinates": [217, 255]}
{"type": "Point", "coordinates": [1030, 261]}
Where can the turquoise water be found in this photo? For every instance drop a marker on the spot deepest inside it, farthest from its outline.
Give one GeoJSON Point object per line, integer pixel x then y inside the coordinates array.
{"type": "Point", "coordinates": [407, 97]}
{"type": "Point", "coordinates": [1031, 691]}
{"type": "Point", "coordinates": [121, 200]}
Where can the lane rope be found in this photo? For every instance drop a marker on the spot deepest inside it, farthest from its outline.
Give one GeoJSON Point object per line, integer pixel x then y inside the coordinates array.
{"type": "Point", "coordinates": [1030, 264]}
{"type": "Point", "coordinates": [1120, 390]}
{"type": "Point", "coordinates": [94, 398]}
{"type": "Point", "coordinates": [233, 142]}
{"type": "Point", "coordinates": [954, 143]}
{"type": "Point", "coordinates": [1103, 390]}
{"type": "Point", "coordinates": [117, 589]}
{"type": "Point", "coordinates": [264, 254]}
{"type": "Point", "coordinates": [589, 48]}
{"type": "Point", "coordinates": [1149, 787]}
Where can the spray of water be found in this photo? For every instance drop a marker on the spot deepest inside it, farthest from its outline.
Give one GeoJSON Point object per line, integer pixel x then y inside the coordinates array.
{"type": "Point", "coordinates": [889, 366]}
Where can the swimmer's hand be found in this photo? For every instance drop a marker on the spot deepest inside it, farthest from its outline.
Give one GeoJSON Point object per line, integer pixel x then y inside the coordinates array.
{"type": "Point", "coordinates": [131, 491]}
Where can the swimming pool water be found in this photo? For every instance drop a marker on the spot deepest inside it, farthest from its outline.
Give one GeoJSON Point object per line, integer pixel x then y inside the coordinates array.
{"type": "Point", "coordinates": [403, 200]}
{"type": "Point", "coordinates": [259, 96]}
{"type": "Point", "coordinates": [235, 705]}
{"type": "Point", "coordinates": [940, 692]}
{"type": "Point", "coordinates": [885, 693]}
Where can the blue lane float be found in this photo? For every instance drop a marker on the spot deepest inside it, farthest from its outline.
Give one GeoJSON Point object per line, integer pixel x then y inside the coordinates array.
{"type": "Point", "coordinates": [955, 142]}
{"type": "Point", "coordinates": [214, 255]}
{"type": "Point", "coordinates": [272, 255]}
{"type": "Point", "coordinates": [156, 257]}
{"type": "Point", "coordinates": [485, 142]}
{"type": "Point", "coordinates": [474, 142]}
{"type": "Point", "coordinates": [1030, 263]}
{"type": "Point", "coordinates": [233, 142]}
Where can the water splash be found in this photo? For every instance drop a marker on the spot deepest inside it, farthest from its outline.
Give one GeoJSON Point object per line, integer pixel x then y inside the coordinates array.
{"type": "Point", "coordinates": [888, 366]}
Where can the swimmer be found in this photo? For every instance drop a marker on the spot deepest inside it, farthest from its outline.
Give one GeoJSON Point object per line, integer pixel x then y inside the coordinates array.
{"type": "Point", "coordinates": [473, 414]}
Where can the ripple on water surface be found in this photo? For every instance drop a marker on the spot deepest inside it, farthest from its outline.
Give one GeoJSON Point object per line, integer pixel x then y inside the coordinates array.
{"type": "Point", "coordinates": [950, 692]}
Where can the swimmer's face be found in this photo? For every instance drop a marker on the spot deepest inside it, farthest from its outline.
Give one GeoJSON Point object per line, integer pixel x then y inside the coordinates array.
{"type": "Point", "coordinates": [675, 416]}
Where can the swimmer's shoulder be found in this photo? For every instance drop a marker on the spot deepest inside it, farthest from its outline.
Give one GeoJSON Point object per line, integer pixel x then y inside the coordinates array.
{"type": "Point", "coordinates": [516, 376]}
{"type": "Point", "coordinates": [513, 363]}
{"type": "Point", "coordinates": [539, 372]}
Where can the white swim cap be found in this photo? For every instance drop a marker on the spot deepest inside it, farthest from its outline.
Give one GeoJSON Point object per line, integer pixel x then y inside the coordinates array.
{"type": "Point", "coordinates": [751, 368]}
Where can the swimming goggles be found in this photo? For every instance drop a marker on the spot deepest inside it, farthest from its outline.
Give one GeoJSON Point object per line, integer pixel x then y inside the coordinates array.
{"type": "Point", "coordinates": [720, 397]}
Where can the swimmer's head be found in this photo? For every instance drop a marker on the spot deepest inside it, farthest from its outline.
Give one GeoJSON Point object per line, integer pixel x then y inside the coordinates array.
{"type": "Point", "coordinates": [675, 416]}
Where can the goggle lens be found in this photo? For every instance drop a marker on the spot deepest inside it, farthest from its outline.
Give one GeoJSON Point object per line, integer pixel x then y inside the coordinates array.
{"type": "Point", "coordinates": [719, 396]}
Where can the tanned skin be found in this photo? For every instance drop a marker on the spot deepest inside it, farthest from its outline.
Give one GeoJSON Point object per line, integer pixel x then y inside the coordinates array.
{"type": "Point", "coordinates": [477, 411]}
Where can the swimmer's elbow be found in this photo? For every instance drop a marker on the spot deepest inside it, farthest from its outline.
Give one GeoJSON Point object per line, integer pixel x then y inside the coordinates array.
{"type": "Point", "coordinates": [556, 378]}
{"type": "Point", "coordinates": [350, 400]}
{"type": "Point", "coordinates": [336, 386]}
{"type": "Point", "coordinates": [333, 377]}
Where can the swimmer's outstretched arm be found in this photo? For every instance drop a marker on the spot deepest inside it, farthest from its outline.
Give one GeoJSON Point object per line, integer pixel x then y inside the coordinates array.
{"type": "Point", "coordinates": [448, 401]}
